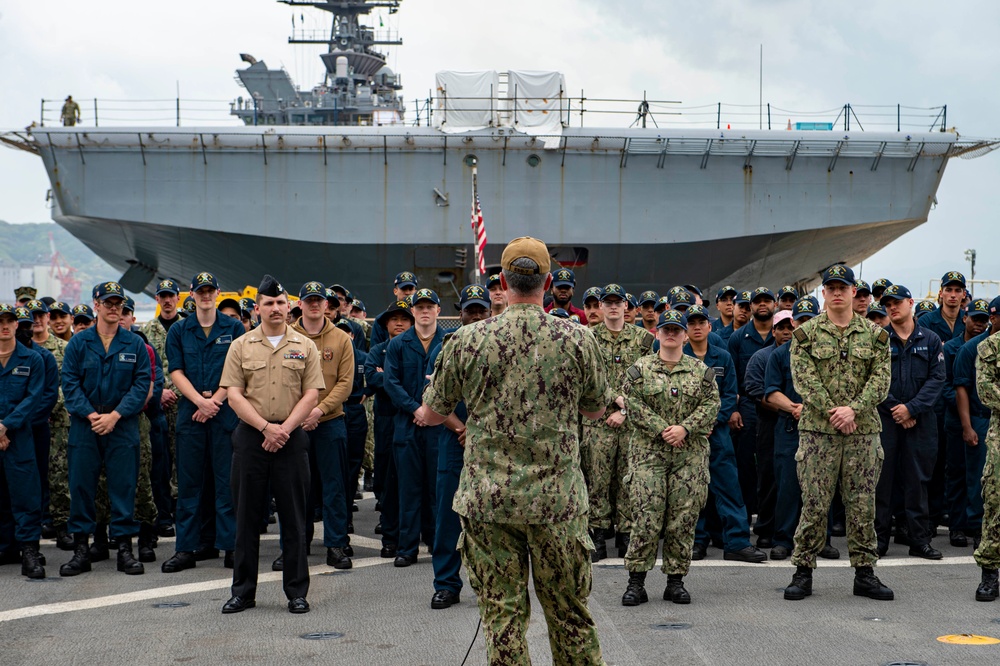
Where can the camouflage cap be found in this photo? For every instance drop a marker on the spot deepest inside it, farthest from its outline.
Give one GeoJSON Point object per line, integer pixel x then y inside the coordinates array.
{"type": "Point", "coordinates": [526, 247]}
{"type": "Point", "coordinates": [25, 293]}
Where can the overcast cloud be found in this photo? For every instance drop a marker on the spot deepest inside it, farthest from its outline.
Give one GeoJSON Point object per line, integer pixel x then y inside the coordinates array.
{"type": "Point", "coordinates": [817, 55]}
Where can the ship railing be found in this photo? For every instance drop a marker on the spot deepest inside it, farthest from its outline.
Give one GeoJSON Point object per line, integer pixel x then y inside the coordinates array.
{"type": "Point", "coordinates": [572, 111]}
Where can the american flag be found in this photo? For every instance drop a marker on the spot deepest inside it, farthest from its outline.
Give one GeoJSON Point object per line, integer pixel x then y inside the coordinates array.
{"type": "Point", "coordinates": [479, 231]}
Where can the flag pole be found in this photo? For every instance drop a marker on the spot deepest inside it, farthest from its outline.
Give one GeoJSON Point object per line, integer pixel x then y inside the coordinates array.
{"type": "Point", "coordinates": [475, 239]}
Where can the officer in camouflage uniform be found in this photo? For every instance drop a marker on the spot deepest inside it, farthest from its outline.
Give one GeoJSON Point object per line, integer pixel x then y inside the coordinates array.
{"type": "Point", "coordinates": [673, 400]}
{"type": "Point", "coordinates": [608, 439]}
{"type": "Point", "coordinates": [524, 378]}
{"type": "Point", "coordinates": [988, 386]}
{"type": "Point", "coordinates": [841, 367]}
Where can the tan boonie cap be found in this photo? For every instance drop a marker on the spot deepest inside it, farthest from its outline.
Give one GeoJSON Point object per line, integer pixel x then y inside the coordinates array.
{"type": "Point", "coordinates": [526, 247]}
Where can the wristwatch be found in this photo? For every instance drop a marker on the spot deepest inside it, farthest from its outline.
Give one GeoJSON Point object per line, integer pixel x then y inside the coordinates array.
{"type": "Point", "coordinates": [623, 411]}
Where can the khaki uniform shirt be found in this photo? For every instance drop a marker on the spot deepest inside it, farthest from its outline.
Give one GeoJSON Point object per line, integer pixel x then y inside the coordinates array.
{"type": "Point", "coordinates": [524, 377]}
{"type": "Point", "coordinates": [273, 378]}
{"type": "Point", "coordinates": [834, 368]}
{"type": "Point", "coordinates": [337, 353]}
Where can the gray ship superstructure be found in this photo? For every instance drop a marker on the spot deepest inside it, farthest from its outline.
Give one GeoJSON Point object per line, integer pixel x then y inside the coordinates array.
{"type": "Point", "coordinates": [346, 197]}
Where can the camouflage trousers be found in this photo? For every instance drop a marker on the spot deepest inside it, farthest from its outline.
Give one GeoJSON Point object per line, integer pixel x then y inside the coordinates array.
{"type": "Point", "coordinates": [368, 461]}
{"type": "Point", "coordinates": [59, 475]}
{"type": "Point", "coordinates": [608, 450]}
{"type": "Point", "coordinates": [821, 461]}
{"type": "Point", "coordinates": [145, 509]}
{"type": "Point", "coordinates": [988, 553]}
{"type": "Point", "coordinates": [497, 556]}
{"type": "Point", "coordinates": [669, 489]}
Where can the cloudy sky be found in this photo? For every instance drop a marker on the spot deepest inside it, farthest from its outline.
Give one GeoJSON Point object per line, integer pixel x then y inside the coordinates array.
{"type": "Point", "coordinates": [816, 56]}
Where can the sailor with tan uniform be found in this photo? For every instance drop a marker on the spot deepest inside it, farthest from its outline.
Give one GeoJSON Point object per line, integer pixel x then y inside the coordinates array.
{"type": "Point", "coordinates": [273, 377]}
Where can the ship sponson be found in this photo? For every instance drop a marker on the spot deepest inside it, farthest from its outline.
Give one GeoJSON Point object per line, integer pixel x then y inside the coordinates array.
{"type": "Point", "coordinates": [643, 207]}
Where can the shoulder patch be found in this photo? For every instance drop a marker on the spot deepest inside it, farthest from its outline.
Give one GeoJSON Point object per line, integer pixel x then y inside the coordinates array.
{"type": "Point", "coordinates": [447, 337]}
{"type": "Point", "coordinates": [883, 337]}
{"type": "Point", "coordinates": [633, 373]}
{"type": "Point", "coordinates": [709, 375]}
{"type": "Point", "coordinates": [800, 335]}
{"type": "Point", "coordinates": [647, 340]}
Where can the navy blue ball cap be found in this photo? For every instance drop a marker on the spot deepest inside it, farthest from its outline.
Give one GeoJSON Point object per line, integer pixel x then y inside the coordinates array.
{"type": "Point", "coordinates": [7, 309]}
{"type": "Point", "coordinates": [168, 286]}
{"type": "Point", "coordinates": [405, 279]}
{"type": "Point", "coordinates": [402, 306]}
{"type": "Point", "coordinates": [980, 307]}
{"type": "Point", "coordinates": [564, 277]}
{"type": "Point", "coordinates": [632, 301]}
{"type": "Point", "coordinates": [728, 290]}
{"type": "Point", "coordinates": [106, 290]}
{"type": "Point", "coordinates": [332, 297]}
{"type": "Point", "coordinates": [59, 306]}
{"type": "Point", "coordinates": [693, 288]}
{"type": "Point", "coordinates": [697, 311]}
{"type": "Point", "coordinates": [839, 273]}
{"type": "Point", "coordinates": [876, 308]}
{"type": "Point", "coordinates": [862, 287]}
{"type": "Point", "coordinates": [923, 307]}
{"type": "Point", "coordinates": [23, 315]}
{"type": "Point", "coordinates": [681, 297]}
{"type": "Point", "coordinates": [953, 277]}
{"type": "Point", "coordinates": [613, 290]}
{"type": "Point", "coordinates": [312, 289]}
{"type": "Point", "coordinates": [128, 305]}
{"type": "Point", "coordinates": [342, 293]}
{"type": "Point", "coordinates": [995, 306]}
{"type": "Point", "coordinates": [493, 281]}
{"type": "Point", "coordinates": [358, 304]}
{"type": "Point", "coordinates": [426, 295]}
{"type": "Point", "coordinates": [761, 292]}
{"type": "Point", "coordinates": [662, 304]}
{"type": "Point", "coordinates": [83, 311]}
{"type": "Point", "coordinates": [473, 294]}
{"type": "Point", "coordinates": [204, 279]}
{"type": "Point", "coordinates": [649, 296]}
{"type": "Point", "coordinates": [804, 307]}
{"type": "Point", "coordinates": [788, 290]}
{"type": "Point", "coordinates": [36, 306]}
{"type": "Point", "coordinates": [559, 312]}
{"type": "Point", "coordinates": [593, 292]}
{"type": "Point", "coordinates": [743, 297]}
{"type": "Point", "coordinates": [673, 318]}
{"type": "Point", "coordinates": [881, 284]}
{"type": "Point", "coordinates": [895, 292]}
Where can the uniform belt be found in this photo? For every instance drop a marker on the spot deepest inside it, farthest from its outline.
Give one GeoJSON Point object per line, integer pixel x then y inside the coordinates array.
{"type": "Point", "coordinates": [353, 401]}
{"type": "Point", "coordinates": [104, 409]}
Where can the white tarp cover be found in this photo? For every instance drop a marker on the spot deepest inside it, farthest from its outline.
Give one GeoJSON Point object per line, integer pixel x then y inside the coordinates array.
{"type": "Point", "coordinates": [465, 100]}
{"type": "Point", "coordinates": [538, 98]}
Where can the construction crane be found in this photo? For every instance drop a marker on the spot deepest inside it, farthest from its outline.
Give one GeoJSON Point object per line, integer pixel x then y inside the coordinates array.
{"type": "Point", "coordinates": [66, 274]}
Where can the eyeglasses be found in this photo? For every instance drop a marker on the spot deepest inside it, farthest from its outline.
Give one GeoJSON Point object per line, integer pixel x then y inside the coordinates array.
{"type": "Point", "coordinates": [113, 306]}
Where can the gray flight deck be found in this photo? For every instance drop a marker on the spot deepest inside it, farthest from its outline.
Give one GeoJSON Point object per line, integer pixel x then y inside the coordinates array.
{"type": "Point", "coordinates": [737, 617]}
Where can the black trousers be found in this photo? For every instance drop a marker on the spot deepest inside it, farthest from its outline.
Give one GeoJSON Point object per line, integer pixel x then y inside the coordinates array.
{"type": "Point", "coordinates": [286, 473]}
{"type": "Point", "coordinates": [767, 488]}
{"type": "Point", "coordinates": [910, 456]}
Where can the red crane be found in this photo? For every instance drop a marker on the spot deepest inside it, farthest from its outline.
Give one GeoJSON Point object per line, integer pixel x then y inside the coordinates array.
{"type": "Point", "coordinates": [66, 274]}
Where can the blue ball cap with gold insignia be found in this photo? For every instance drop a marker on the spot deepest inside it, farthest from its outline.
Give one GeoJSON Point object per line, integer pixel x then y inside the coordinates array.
{"type": "Point", "coordinates": [839, 273]}
{"type": "Point", "coordinates": [663, 303]}
{"type": "Point", "coordinates": [559, 312]}
{"type": "Point", "coordinates": [60, 306]}
{"type": "Point", "coordinates": [493, 281]}
{"type": "Point", "coordinates": [23, 315]}
{"type": "Point", "coordinates": [106, 290]}
{"type": "Point", "coordinates": [402, 306]}
{"type": "Point", "coordinates": [995, 306]}
{"type": "Point", "coordinates": [805, 307]}
{"type": "Point", "coordinates": [680, 296]}
{"type": "Point", "coordinates": [761, 292]}
{"type": "Point", "coordinates": [648, 296]}
{"type": "Point", "coordinates": [862, 287]}
{"type": "Point", "coordinates": [204, 279]}
{"type": "Point", "coordinates": [613, 291]}
{"type": "Point", "coordinates": [168, 286]}
{"type": "Point", "coordinates": [743, 298]}
{"type": "Point", "coordinates": [342, 293]}
{"type": "Point", "coordinates": [980, 307]}
{"type": "Point", "coordinates": [7, 309]}
{"type": "Point", "coordinates": [426, 295]}
{"type": "Point", "coordinates": [696, 311]}
{"type": "Point", "coordinates": [312, 289]}
{"type": "Point", "coordinates": [405, 279]}
{"type": "Point", "coordinates": [128, 305]}
{"type": "Point", "coordinates": [83, 311]}
{"type": "Point", "coordinates": [923, 307]}
{"type": "Point", "coordinates": [788, 290]}
{"type": "Point", "coordinates": [727, 290]}
{"type": "Point", "coordinates": [593, 292]}
{"type": "Point", "coordinates": [36, 306]}
{"type": "Point", "coordinates": [564, 277]}
{"type": "Point", "coordinates": [473, 294]}
{"type": "Point", "coordinates": [358, 304]}
{"type": "Point", "coordinates": [895, 292]}
{"type": "Point", "coordinates": [632, 301]}
{"type": "Point", "coordinates": [875, 308]}
{"type": "Point", "coordinates": [953, 277]}
{"type": "Point", "coordinates": [673, 318]}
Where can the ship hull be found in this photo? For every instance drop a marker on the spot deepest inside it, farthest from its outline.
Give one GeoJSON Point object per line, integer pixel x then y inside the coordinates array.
{"type": "Point", "coordinates": [357, 205]}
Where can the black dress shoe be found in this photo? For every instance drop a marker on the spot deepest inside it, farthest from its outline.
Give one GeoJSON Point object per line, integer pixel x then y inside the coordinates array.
{"type": "Point", "coordinates": [336, 558]}
{"type": "Point", "coordinates": [203, 554]}
{"type": "Point", "coordinates": [699, 551]}
{"type": "Point", "coordinates": [926, 551]}
{"type": "Point", "coordinates": [378, 529]}
{"type": "Point", "coordinates": [838, 530]}
{"type": "Point", "coordinates": [228, 561]}
{"type": "Point", "coordinates": [165, 530]}
{"type": "Point", "coordinates": [444, 599]}
{"type": "Point", "coordinates": [404, 560]}
{"type": "Point", "coordinates": [179, 562]}
{"type": "Point", "coordinates": [298, 605]}
{"type": "Point", "coordinates": [765, 542]}
{"type": "Point", "coordinates": [779, 553]}
{"type": "Point", "coordinates": [958, 539]}
{"type": "Point", "coordinates": [349, 550]}
{"type": "Point", "coordinates": [388, 552]}
{"type": "Point", "coordinates": [748, 554]}
{"type": "Point", "coordinates": [278, 564]}
{"type": "Point", "coordinates": [237, 605]}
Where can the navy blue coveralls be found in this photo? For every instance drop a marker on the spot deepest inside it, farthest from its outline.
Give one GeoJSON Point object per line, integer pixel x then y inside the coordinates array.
{"type": "Point", "coordinates": [385, 481]}
{"type": "Point", "coordinates": [979, 416]}
{"type": "Point", "coordinates": [40, 431]}
{"type": "Point", "coordinates": [724, 482]}
{"type": "Point", "coordinates": [956, 501]}
{"type": "Point", "coordinates": [444, 554]}
{"type": "Point", "coordinates": [203, 449]}
{"type": "Point", "coordinates": [724, 331]}
{"type": "Point", "coordinates": [22, 385]}
{"type": "Point", "coordinates": [743, 344]}
{"type": "Point", "coordinates": [937, 489]}
{"type": "Point", "coordinates": [356, 420]}
{"type": "Point", "coordinates": [98, 381]}
{"type": "Point", "coordinates": [764, 447]}
{"type": "Point", "coordinates": [415, 448]}
{"type": "Point", "coordinates": [918, 377]}
{"type": "Point", "coordinates": [788, 499]}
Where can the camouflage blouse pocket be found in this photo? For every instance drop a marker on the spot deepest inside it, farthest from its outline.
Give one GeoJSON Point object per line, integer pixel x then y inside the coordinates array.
{"type": "Point", "coordinates": [824, 352]}
{"type": "Point", "coordinates": [863, 352]}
